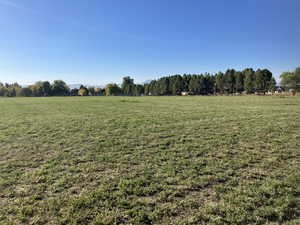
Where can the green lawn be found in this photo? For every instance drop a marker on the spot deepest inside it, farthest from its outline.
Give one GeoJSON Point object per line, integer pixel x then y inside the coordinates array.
{"type": "Point", "coordinates": [150, 160]}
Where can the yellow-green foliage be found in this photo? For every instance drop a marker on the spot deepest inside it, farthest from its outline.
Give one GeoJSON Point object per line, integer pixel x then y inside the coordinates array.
{"type": "Point", "coordinates": [83, 92]}
{"type": "Point", "coordinates": [112, 90]}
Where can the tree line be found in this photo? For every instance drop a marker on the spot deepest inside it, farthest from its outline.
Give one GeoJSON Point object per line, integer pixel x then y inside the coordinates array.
{"type": "Point", "coordinates": [232, 81]}
{"type": "Point", "coordinates": [39, 89]}
{"type": "Point", "coordinates": [291, 80]}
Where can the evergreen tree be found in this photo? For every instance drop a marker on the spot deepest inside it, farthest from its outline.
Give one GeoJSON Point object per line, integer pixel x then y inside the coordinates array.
{"type": "Point", "coordinates": [229, 81]}
{"type": "Point", "coordinates": [249, 84]}
{"type": "Point", "coordinates": [220, 88]}
{"type": "Point", "coordinates": [239, 82]}
{"type": "Point", "coordinates": [178, 85]}
{"type": "Point", "coordinates": [128, 86]}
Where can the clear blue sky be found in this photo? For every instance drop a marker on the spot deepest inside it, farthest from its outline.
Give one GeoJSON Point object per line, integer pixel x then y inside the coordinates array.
{"type": "Point", "coordinates": [100, 41]}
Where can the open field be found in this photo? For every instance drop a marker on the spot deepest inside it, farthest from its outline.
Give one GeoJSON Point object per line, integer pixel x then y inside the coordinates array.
{"type": "Point", "coordinates": [150, 160]}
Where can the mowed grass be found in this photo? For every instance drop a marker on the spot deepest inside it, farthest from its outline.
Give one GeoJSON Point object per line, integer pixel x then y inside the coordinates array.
{"type": "Point", "coordinates": [150, 160]}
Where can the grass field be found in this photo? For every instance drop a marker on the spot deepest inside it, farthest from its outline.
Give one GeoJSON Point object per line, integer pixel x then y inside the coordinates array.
{"type": "Point", "coordinates": [150, 160]}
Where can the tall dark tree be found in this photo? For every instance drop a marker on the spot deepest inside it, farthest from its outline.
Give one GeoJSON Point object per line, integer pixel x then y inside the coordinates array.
{"type": "Point", "coordinates": [194, 85]}
{"type": "Point", "coordinates": [229, 81]}
{"type": "Point", "coordinates": [138, 90]}
{"type": "Point", "coordinates": [209, 83]}
{"type": "Point", "coordinates": [219, 86]}
{"type": "Point", "coordinates": [262, 80]}
{"type": "Point", "coordinates": [202, 82]}
{"type": "Point", "coordinates": [146, 88]}
{"type": "Point", "coordinates": [249, 83]}
{"type": "Point", "coordinates": [239, 81]}
{"type": "Point", "coordinates": [46, 88]}
{"type": "Point", "coordinates": [128, 86]}
{"type": "Point", "coordinates": [178, 85]}
{"type": "Point", "coordinates": [267, 79]}
{"type": "Point", "coordinates": [164, 86]}
{"type": "Point", "coordinates": [60, 88]}
{"type": "Point", "coordinates": [92, 91]}
{"type": "Point", "coordinates": [186, 81]}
